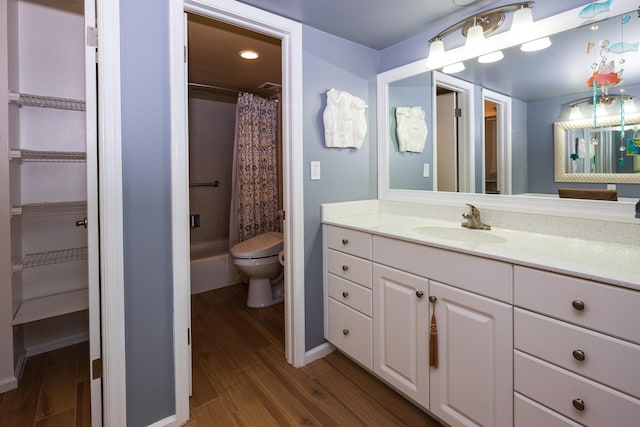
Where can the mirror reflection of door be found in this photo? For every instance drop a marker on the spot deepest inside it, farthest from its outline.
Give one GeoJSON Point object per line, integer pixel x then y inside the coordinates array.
{"type": "Point", "coordinates": [490, 148]}
{"type": "Point", "coordinates": [447, 139]}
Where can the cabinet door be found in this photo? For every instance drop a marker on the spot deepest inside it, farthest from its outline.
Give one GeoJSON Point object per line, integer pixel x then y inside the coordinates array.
{"type": "Point", "coordinates": [400, 331]}
{"type": "Point", "coordinates": [473, 382]}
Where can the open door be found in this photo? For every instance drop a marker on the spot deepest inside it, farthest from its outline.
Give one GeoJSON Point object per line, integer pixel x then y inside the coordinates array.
{"type": "Point", "coordinates": [93, 238]}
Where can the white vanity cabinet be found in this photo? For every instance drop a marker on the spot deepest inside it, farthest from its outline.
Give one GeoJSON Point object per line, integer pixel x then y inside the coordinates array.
{"type": "Point", "coordinates": [473, 382]}
{"type": "Point", "coordinates": [401, 331]}
{"type": "Point", "coordinates": [348, 299]}
{"type": "Point", "coordinates": [576, 350]}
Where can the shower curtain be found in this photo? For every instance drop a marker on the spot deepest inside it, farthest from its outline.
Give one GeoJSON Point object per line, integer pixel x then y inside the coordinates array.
{"type": "Point", "coordinates": [254, 191]}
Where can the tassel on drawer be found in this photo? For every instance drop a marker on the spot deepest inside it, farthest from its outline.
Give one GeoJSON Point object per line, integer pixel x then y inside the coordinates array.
{"type": "Point", "coordinates": [433, 336]}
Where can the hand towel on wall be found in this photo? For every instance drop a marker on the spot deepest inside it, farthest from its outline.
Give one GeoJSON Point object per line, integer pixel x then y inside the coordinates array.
{"type": "Point", "coordinates": [411, 129]}
{"type": "Point", "coordinates": [345, 124]}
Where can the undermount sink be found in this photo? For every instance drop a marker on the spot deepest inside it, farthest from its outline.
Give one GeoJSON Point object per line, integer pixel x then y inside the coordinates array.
{"type": "Point", "coordinates": [459, 234]}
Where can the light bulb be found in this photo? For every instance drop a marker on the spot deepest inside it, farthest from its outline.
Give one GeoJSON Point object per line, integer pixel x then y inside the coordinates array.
{"type": "Point", "coordinates": [601, 110]}
{"type": "Point", "coordinates": [491, 57]}
{"type": "Point", "coordinates": [453, 68]}
{"type": "Point", "coordinates": [522, 19]}
{"type": "Point", "coordinates": [475, 37]}
{"type": "Point", "coordinates": [436, 52]}
{"type": "Point", "coordinates": [535, 45]}
{"type": "Point", "coordinates": [575, 113]}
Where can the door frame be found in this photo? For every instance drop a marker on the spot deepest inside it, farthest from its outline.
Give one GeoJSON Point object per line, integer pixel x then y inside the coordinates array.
{"type": "Point", "coordinates": [114, 386]}
{"type": "Point", "coordinates": [503, 140]}
{"type": "Point", "coordinates": [290, 34]}
{"type": "Point", "coordinates": [466, 128]}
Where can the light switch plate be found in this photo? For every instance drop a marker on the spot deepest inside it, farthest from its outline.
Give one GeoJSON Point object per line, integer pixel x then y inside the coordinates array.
{"type": "Point", "coordinates": [425, 170]}
{"type": "Point", "coordinates": [315, 170]}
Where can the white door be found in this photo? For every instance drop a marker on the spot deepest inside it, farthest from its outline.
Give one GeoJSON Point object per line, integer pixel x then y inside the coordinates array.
{"type": "Point", "coordinates": [93, 243]}
{"type": "Point", "coordinates": [447, 127]}
{"type": "Point", "coordinates": [400, 331]}
{"type": "Point", "coordinates": [473, 382]}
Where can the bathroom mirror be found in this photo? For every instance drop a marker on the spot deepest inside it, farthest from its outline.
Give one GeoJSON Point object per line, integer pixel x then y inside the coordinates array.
{"type": "Point", "coordinates": [532, 120]}
{"type": "Point", "coordinates": [606, 153]}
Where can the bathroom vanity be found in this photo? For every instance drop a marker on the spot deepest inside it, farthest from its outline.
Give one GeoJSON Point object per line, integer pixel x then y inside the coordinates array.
{"type": "Point", "coordinates": [532, 329]}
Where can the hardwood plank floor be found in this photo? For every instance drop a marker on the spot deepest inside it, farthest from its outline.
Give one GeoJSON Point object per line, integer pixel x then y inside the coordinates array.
{"type": "Point", "coordinates": [240, 378]}
{"type": "Point", "coordinates": [53, 391]}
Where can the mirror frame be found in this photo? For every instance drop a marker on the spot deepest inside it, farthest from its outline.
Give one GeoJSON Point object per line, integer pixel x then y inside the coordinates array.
{"type": "Point", "coordinates": [621, 211]}
{"type": "Point", "coordinates": [561, 174]}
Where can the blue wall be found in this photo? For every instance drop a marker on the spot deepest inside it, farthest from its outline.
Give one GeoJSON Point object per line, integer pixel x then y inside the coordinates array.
{"type": "Point", "coordinates": [146, 138]}
{"type": "Point", "coordinates": [346, 173]}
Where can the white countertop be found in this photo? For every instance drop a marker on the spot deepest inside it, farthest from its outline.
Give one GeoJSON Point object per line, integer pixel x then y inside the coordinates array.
{"type": "Point", "coordinates": [611, 263]}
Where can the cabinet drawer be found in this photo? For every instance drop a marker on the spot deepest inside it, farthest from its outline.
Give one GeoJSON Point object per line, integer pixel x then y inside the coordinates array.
{"type": "Point", "coordinates": [350, 241]}
{"type": "Point", "coordinates": [349, 267]}
{"type": "Point", "coordinates": [472, 273]}
{"type": "Point", "coordinates": [556, 342]}
{"type": "Point", "coordinates": [351, 332]}
{"type": "Point", "coordinates": [607, 309]}
{"type": "Point", "coordinates": [528, 413]}
{"type": "Point", "coordinates": [560, 390]}
{"type": "Point", "coordinates": [349, 293]}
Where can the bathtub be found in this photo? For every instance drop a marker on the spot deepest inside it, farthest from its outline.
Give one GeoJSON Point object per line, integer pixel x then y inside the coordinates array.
{"type": "Point", "coordinates": [211, 266]}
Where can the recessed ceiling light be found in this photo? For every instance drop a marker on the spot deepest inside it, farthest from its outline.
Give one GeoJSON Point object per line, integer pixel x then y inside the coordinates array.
{"type": "Point", "coordinates": [249, 54]}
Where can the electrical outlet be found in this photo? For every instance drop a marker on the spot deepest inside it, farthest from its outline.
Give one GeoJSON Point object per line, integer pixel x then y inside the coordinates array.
{"type": "Point", "coordinates": [315, 170]}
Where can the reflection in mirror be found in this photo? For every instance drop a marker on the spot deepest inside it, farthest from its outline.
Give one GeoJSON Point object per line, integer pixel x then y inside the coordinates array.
{"type": "Point", "coordinates": [608, 153]}
{"type": "Point", "coordinates": [542, 86]}
{"type": "Point", "coordinates": [410, 169]}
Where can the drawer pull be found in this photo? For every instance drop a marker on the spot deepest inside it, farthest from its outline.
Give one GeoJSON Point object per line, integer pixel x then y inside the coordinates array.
{"type": "Point", "coordinates": [345, 241]}
{"type": "Point", "coordinates": [578, 404]}
{"type": "Point", "coordinates": [345, 332]}
{"type": "Point", "coordinates": [345, 268]}
{"type": "Point", "coordinates": [346, 294]}
{"type": "Point", "coordinates": [578, 305]}
{"type": "Point", "coordinates": [419, 294]}
{"type": "Point", "coordinates": [578, 355]}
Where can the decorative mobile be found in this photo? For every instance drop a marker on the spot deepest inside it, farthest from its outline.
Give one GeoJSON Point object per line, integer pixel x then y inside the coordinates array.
{"type": "Point", "coordinates": [604, 74]}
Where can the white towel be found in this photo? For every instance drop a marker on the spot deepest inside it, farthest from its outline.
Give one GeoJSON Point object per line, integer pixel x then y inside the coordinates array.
{"type": "Point", "coordinates": [345, 124]}
{"type": "Point", "coordinates": [411, 129]}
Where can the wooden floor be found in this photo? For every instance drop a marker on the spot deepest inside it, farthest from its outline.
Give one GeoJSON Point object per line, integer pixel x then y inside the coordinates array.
{"type": "Point", "coordinates": [240, 378]}
{"type": "Point", "coordinates": [54, 391]}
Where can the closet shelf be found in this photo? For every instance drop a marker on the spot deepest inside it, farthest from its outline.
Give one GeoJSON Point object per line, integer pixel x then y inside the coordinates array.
{"type": "Point", "coordinates": [39, 259]}
{"type": "Point", "coordinates": [52, 305]}
{"type": "Point", "coordinates": [48, 156]}
{"type": "Point", "coordinates": [54, 208]}
{"type": "Point", "coordinates": [47, 101]}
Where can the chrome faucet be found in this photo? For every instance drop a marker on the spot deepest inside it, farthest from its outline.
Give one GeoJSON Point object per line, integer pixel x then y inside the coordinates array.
{"type": "Point", "coordinates": [473, 219]}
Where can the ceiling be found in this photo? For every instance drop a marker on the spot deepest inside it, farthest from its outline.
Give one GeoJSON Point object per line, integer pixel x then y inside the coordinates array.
{"type": "Point", "coordinates": [214, 46]}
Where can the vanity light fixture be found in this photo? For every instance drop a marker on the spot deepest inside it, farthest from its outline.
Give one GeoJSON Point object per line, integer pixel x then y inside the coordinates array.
{"type": "Point", "coordinates": [630, 105]}
{"type": "Point", "coordinates": [475, 28]}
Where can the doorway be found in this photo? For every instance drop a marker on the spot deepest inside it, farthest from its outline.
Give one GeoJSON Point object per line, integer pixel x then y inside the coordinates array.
{"type": "Point", "coordinates": [497, 140]}
{"type": "Point", "coordinates": [454, 134]}
{"type": "Point", "coordinates": [290, 34]}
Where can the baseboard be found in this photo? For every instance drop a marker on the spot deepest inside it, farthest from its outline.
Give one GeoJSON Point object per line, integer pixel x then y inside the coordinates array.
{"type": "Point", "coordinates": [56, 344]}
{"type": "Point", "coordinates": [8, 383]}
{"type": "Point", "coordinates": [318, 352]}
{"type": "Point", "coordinates": [169, 421]}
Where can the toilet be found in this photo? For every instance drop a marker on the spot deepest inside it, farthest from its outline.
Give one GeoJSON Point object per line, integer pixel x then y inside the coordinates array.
{"type": "Point", "coordinates": [260, 259]}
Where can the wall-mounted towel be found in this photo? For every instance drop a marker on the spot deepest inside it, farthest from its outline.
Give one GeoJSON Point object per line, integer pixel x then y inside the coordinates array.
{"type": "Point", "coordinates": [411, 129]}
{"type": "Point", "coordinates": [345, 124]}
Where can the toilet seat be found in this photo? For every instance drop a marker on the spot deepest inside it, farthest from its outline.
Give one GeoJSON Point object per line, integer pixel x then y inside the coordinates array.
{"type": "Point", "coordinates": [261, 246]}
